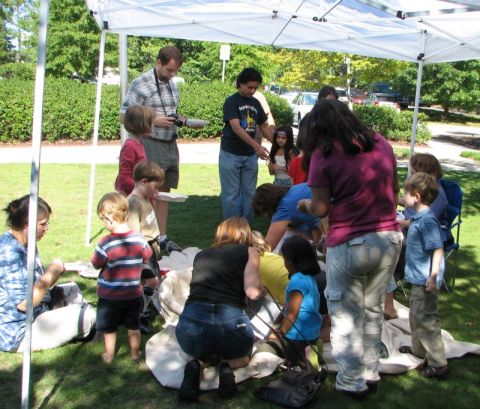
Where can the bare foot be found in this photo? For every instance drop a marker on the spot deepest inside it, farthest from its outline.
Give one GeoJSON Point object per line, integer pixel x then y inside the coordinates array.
{"type": "Point", "coordinates": [107, 358]}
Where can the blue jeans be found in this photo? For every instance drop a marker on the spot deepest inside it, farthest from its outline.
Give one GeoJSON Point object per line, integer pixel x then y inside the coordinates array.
{"type": "Point", "coordinates": [238, 181]}
{"type": "Point", "coordinates": [214, 331]}
{"type": "Point", "coordinates": [358, 273]}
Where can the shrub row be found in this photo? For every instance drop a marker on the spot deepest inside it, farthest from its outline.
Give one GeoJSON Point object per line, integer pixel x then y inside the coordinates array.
{"type": "Point", "coordinates": [394, 125]}
{"type": "Point", "coordinates": [69, 111]}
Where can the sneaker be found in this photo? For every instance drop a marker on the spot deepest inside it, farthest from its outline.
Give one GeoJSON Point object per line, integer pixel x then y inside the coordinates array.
{"type": "Point", "coordinates": [435, 371]}
{"type": "Point", "coordinates": [226, 381]}
{"type": "Point", "coordinates": [168, 246]}
{"type": "Point", "coordinates": [190, 388]}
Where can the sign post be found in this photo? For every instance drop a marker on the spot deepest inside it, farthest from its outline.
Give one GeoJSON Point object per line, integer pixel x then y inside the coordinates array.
{"type": "Point", "coordinates": [224, 56]}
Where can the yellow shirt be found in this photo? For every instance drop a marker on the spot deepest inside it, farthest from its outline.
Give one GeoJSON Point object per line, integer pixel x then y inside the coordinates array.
{"type": "Point", "coordinates": [274, 275]}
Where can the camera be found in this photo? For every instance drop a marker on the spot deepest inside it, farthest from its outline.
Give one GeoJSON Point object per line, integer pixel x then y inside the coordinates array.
{"type": "Point", "coordinates": [178, 122]}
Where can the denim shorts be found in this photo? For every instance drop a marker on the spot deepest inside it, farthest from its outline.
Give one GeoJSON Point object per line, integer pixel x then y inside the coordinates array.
{"type": "Point", "coordinates": [214, 331]}
{"type": "Point", "coordinates": [113, 313]}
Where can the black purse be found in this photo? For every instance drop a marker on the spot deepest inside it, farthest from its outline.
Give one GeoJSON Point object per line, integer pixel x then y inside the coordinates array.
{"type": "Point", "coordinates": [298, 385]}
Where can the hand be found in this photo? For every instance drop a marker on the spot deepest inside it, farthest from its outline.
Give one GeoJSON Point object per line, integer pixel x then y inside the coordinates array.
{"type": "Point", "coordinates": [304, 206]}
{"type": "Point", "coordinates": [162, 121]}
{"type": "Point", "coordinates": [431, 284]}
{"type": "Point", "coordinates": [262, 152]}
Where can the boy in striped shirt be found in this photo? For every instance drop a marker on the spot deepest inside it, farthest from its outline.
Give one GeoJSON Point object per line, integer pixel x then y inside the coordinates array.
{"type": "Point", "coordinates": [121, 256]}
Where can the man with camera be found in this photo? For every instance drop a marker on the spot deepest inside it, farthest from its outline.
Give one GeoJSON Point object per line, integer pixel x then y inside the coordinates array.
{"type": "Point", "coordinates": [156, 89]}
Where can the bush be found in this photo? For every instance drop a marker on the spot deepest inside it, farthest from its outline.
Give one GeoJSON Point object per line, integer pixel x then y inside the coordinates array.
{"type": "Point", "coordinates": [18, 71]}
{"type": "Point", "coordinates": [69, 109]}
{"type": "Point", "coordinates": [394, 125]}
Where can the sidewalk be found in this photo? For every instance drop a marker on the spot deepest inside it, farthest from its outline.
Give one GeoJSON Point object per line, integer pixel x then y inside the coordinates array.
{"type": "Point", "coordinates": [207, 153]}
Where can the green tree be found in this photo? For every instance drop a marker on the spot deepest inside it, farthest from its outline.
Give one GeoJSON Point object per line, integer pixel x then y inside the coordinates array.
{"type": "Point", "coordinates": [5, 39]}
{"type": "Point", "coordinates": [451, 85]}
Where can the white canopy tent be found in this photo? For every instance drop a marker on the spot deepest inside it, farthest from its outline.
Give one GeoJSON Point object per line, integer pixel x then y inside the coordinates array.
{"type": "Point", "coordinates": [426, 31]}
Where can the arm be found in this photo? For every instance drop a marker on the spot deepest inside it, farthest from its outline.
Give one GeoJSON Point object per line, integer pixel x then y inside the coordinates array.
{"type": "Point", "coordinates": [133, 215]}
{"type": "Point", "coordinates": [276, 232]}
{"type": "Point", "coordinates": [267, 131]}
{"type": "Point", "coordinates": [293, 309]}
{"type": "Point", "coordinates": [319, 205]}
{"type": "Point", "coordinates": [245, 137]}
{"type": "Point", "coordinates": [251, 279]}
{"type": "Point", "coordinates": [437, 257]}
{"type": "Point", "coordinates": [41, 286]}
{"type": "Point", "coordinates": [126, 164]}
{"type": "Point", "coordinates": [99, 258]}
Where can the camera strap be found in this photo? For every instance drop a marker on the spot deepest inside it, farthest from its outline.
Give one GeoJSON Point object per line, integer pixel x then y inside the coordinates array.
{"type": "Point", "coordinates": [160, 94]}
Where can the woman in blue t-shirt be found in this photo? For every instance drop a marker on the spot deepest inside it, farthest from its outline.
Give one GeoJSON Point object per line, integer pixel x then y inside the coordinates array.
{"type": "Point", "coordinates": [302, 321]}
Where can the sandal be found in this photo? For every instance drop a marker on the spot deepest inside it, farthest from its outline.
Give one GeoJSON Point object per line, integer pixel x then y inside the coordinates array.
{"type": "Point", "coordinates": [435, 371]}
{"type": "Point", "coordinates": [405, 349]}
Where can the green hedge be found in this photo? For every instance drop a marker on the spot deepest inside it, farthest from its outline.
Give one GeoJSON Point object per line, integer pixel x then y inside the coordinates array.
{"type": "Point", "coordinates": [394, 125]}
{"type": "Point", "coordinates": [69, 109]}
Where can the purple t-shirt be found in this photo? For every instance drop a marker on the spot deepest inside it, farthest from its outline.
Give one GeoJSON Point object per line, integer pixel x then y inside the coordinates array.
{"type": "Point", "coordinates": [361, 190]}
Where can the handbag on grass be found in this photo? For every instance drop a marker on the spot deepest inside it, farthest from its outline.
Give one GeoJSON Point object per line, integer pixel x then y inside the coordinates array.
{"type": "Point", "coordinates": [299, 384]}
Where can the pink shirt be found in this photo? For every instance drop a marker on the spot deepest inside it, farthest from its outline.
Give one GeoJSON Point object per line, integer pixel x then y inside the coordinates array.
{"type": "Point", "coordinates": [131, 153]}
{"type": "Point", "coordinates": [361, 190]}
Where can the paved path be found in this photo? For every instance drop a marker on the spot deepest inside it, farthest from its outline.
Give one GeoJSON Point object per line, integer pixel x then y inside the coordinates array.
{"type": "Point", "coordinates": [207, 153]}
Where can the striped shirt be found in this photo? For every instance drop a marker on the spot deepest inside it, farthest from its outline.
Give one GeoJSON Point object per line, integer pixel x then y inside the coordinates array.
{"type": "Point", "coordinates": [13, 290]}
{"type": "Point", "coordinates": [143, 91]}
{"type": "Point", "coordinates": [121, 258]}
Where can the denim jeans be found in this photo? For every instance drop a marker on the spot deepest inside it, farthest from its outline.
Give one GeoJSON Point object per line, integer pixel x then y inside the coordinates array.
{"type": "Point", "coordinates": [358, 272]}
{"type": "Point", "coordinates": [238, 181]}
{"type": "Point", "coordinates": [214, 331]}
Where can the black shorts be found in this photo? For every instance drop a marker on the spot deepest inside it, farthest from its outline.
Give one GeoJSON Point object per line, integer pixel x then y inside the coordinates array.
{"type": "Point", "coordinates": [113, 313]}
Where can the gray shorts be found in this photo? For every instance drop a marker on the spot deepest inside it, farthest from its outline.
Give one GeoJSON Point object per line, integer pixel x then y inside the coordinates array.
{"type": "Point", "coordinates": [166, 155]}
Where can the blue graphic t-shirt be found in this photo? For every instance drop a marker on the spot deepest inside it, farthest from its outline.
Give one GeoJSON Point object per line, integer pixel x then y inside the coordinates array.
{"type": "Point", "coordinates": [250, 114]}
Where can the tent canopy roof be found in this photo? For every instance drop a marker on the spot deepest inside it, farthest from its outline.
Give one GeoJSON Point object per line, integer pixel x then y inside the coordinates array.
{"type": "Point", "coordinates": [440, 30]}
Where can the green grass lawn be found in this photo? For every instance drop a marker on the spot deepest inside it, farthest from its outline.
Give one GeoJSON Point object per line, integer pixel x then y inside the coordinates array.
{"type": "Point", "coordinates": [73, 376]}
{"type": "Point", "coordinates": [472, 155]}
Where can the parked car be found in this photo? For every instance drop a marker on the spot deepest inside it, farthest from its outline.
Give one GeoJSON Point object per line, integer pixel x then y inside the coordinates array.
{"type": "Point", "coordinates": [357, 96]}
{"type": "Point", "coordinates": [302, 105]}
{"type": "Point", "coordinates": [385, 88]}
{"type": "Point", "coordinates": [342, 94]}
{"type": "Point", "coordinates": [381, 99]}
{"type": "Point", "coordinates": [289, 96]}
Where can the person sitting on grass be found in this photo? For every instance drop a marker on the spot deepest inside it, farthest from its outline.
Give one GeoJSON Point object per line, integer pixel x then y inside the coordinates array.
{"type": "Point", "coordinates": [301, 321]}
{"type": "Point", "coordinates": [59, 316]}
{"type": "Point", "coordinates": [139, 123]}
{"type": "Point", "coordinates": [424, 270]}
{"type": "Point", "coordinates": [121, 255]}
{"type": "Point", "coordinates": [148, 177]}
{"type": "Point", "coordinates": [213, 325]}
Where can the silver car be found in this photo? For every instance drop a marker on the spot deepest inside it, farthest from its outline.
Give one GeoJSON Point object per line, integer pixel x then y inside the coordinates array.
{"type": "Point", "coordinates": [302, 105]}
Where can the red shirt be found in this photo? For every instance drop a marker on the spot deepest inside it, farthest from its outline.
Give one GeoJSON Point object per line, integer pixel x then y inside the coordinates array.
{"type": "Point", "coordinates": [131, 153]}
{"type": "Point", "coordinates": [296, 171]}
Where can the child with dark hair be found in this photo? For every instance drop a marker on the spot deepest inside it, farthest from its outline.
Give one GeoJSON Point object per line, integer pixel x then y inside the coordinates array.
{"type": "Point", "coordinates": [280, 155]}
{"type": "Point", "coordinates": [424, 270]}
{"type": "Point", "coordinates": [138, 122]}
{"type": "Point", "coordinates": [302, 320]}
{"type": "Point", "coordinates": [296, 169]}
{"type": "Point", "coordinates": [238, 160]}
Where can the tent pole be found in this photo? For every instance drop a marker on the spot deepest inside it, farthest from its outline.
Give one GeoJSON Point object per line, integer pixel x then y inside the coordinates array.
{"type": "Point", "coordinates": [34, 185]}
{"type": "Point", "coordinates": [420, 59]}
{"type": "Point", "coordinates": [123, 62]}
{"type": "Point", "coordinates": [95, 138]}
{"type": "Point", "coordinates": [415, 113]}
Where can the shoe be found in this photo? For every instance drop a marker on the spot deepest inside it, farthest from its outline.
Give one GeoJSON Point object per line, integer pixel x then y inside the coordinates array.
{"type": "Point", "coordinates": [434, 371]}
{"type": "Point", "coordinates": [357, 395]}
{"type": "Point", "coordinates": [168, 246]}
{"type": "Point", "coordinates": [405, 349]}
{"type": "Point", "coordinates": [226, 381]}
{"type": "Point", "coordinates": [190, 387]}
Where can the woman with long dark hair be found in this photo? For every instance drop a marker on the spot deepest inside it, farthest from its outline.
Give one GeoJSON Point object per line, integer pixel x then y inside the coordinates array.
{"type": "Point", "coordinates": [353, 177]}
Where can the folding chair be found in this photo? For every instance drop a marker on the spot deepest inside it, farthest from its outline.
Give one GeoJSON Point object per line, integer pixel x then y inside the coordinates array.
{"type": "Point", "coordinates": [454, 219]}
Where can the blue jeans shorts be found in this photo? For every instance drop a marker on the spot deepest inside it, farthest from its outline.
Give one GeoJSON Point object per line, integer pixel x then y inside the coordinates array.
{"type": "Point", "coordinates": [214, 331]}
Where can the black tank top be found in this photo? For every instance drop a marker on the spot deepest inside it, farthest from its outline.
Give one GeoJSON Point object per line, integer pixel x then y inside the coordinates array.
{"type": "Point", "coordinates": [217, 276]}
